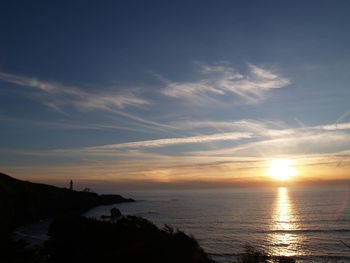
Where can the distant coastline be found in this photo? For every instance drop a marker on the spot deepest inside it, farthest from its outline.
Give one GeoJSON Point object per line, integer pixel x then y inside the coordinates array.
{"type": "Point", "coordinates": [23, 202]}
{"type": "Point", "coordinates": [74, 238]}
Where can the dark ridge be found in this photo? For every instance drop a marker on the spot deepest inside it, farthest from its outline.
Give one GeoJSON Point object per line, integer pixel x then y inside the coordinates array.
{"type": "Point", "coordinates": [73, 238]}
{"type": "Point", "coordinates": [22, 202]}
{"type": "Point", "coordinates": [130, 239]}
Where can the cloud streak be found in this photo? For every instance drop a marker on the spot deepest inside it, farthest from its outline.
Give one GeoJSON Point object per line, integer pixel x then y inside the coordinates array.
{"type": "Point", "coordinates": [265, 139]}
{"type": "Point", "coordinates": [221, 79]}
{"type": "Point", "coordinates": [310, 147]}
{"type": "Point", "coordinates": [173, 141]}
{"type": "Point", "coordinates": [58, 96]}
{"type": "Point", "coordinates": [337, 126]}
{"type": "Point", "coordinates": [81, 99]}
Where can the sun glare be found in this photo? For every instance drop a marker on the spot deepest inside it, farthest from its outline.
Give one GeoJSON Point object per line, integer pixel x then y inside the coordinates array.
{"type": "Point", "coordinates": [281, 169]}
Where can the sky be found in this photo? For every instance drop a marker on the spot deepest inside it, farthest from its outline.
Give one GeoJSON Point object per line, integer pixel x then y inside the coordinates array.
{"type": "Point", "coordinates": [139, 94]}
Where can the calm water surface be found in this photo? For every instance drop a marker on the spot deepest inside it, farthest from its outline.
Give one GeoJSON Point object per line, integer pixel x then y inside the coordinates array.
{"type": "Point", "coordinates": [306, 223]}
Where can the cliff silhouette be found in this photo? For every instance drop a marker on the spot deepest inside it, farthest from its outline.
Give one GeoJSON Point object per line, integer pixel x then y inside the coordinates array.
{"type": "Point", "coordinates": [73, 238]}
{"type": "Point", "coordinates": [22, 202]}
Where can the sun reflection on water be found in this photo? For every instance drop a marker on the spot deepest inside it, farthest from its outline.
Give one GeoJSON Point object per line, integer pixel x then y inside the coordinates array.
{"type": "Point", "coordinates": [283, 240]}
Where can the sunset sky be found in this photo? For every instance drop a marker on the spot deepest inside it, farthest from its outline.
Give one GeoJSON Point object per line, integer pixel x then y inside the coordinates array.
{"type": "Point", "coordinates": [176, 93]}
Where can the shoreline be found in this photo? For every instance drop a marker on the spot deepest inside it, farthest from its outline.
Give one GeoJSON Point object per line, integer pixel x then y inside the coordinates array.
{"type": "Point", "coordinates": [23, 202]}
{"type": "Point", "coordinates": [35, 233]}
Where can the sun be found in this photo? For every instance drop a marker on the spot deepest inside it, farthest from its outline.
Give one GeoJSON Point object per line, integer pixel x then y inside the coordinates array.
{"type": "Point", "coordinates": [281, 169]}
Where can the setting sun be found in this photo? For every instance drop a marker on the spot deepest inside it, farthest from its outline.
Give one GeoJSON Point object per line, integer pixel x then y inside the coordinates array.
{"type": "Point", "coordinates": [281, 169]}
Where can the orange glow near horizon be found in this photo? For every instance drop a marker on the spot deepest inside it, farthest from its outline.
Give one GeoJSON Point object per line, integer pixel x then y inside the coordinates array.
{"type": "Point", "coordinates": [203, 172]}
{"type": "Point", "coordinates": [281, 169]}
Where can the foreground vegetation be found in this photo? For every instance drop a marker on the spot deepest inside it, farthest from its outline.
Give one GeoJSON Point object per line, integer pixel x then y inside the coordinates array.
{"type": "Point", "coordinates": [130, 239]}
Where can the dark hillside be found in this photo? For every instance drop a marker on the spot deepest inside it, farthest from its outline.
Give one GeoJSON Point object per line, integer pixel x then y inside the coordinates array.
{"type": "Point", "coordinates": [23, 202]}
{"type": "Point", "coordinates": [77, 239]}
{"type": "Point", "coordinates": [131, 239]}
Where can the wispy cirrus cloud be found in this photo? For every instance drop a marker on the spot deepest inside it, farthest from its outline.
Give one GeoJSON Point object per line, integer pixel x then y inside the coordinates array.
{"type": "Point", "coordinates": [221, 79]}
{"type": "Point", "coordinates": [58, 97]}
{"type": "Point", "coordinates": [261, 128]}
{"type": "Point", "coordinates": [269, 138]}
{"type": "Point", "coordinates": [81, 99]}
{"type": "Point", "coordinates": [256, 142]}
{"type": "Point", "coordinates": [70, 125]}
{"type": "Point", "coordinates": [336, 126]}
{"type": "Point", "coordinates": [258, 127]}
{"type": "Point", "coordinates": [343, 116]}
{"type": "Point", "coordinates": [296, 142]}
{"type": "Point", "coordinates": [173, 141]}
{"type": "Point", "coordinates": [266, 139]}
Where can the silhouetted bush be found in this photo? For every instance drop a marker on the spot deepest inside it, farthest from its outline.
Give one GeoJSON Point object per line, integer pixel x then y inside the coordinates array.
{"type": "Point", "coordinates": [12, 251]}
{"type": "Point", "coordinates": [130, 239]}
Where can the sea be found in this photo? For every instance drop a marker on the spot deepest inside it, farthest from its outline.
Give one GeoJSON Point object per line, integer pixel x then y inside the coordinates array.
{"type": "Point", "coordinates": [308, 224]}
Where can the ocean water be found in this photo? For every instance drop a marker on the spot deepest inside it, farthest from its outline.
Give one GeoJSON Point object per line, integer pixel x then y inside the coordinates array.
{"type": "Point", "coordinates": [305, 223]}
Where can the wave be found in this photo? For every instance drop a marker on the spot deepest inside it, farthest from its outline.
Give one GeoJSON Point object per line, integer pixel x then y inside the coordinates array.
{"type": "Point", "coordinates": [303, 231]}
{"type": "Point", "coordinates": [306, 258]}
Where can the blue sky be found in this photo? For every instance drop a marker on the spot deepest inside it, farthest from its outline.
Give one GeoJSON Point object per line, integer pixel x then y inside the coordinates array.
{"type": "Point", "coordinates": [161, 91]}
